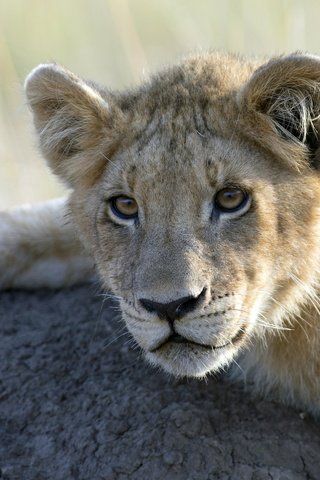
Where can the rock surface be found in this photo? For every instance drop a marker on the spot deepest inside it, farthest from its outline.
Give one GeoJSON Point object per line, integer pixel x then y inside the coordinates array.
{"type": "Point", "coordinates": [78, 402]}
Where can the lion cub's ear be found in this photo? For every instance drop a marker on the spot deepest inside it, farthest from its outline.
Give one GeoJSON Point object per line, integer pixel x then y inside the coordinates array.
{"type": "Point", "coordinates": [281, 108]}
{"type": "Point", "coordinates": [76, 125]}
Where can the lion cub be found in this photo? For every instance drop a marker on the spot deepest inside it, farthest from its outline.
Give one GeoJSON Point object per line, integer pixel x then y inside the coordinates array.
{"type": "Point", "coordinates": [197, 197]}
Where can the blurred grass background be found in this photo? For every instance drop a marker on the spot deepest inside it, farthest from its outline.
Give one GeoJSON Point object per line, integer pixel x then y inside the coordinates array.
{"type": "Point", "coordinates": [117, 43]}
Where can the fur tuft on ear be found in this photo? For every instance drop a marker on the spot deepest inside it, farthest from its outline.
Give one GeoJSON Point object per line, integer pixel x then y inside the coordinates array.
{"type": "Point", "coordinates": [281, 105]}
{"type": "Point", "coordinates": [77, 126]}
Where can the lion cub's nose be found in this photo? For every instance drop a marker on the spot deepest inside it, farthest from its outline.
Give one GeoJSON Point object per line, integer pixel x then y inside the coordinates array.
{"type": "Point", "coordinates": [175, 309]}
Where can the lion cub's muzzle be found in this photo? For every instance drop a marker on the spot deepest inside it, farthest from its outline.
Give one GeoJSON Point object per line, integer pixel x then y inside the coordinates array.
{"type": "Point", "coordinates": [193, 332]}
{"type": "Point", "coordinates": [174, 311]}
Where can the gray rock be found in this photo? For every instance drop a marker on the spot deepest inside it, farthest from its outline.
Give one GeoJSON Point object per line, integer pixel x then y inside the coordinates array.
{"type": "Point", "coordinates": [78, 402]}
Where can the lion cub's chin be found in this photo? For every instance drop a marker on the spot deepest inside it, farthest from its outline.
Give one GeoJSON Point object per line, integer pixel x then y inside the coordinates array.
{"type": "Point", "coordinates": [190, 360]}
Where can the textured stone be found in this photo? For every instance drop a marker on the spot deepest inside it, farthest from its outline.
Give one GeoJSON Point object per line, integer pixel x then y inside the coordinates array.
{"type": "Point", "coordinates": [76, 402]}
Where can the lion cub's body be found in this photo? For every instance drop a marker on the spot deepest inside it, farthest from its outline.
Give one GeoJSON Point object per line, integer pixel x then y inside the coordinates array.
{"type": "Point", "coordinates": [199, 285]}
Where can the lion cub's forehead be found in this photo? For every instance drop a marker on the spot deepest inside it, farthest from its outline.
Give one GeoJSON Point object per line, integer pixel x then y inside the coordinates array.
{"type": "Point", "coordinates": [199, 164]}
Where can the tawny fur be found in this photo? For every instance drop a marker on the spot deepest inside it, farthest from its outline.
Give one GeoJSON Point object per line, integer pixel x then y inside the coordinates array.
{"type": "Point", "coordinates": [39, 248]}
{"type": "Point", "coordinates": [212, 121]}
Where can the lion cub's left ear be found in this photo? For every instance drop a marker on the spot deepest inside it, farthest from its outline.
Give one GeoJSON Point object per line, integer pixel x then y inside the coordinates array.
{"type": "Point", "coordinates": [78, 126]}
{"type": "Point", "coordinates": [280, 107]}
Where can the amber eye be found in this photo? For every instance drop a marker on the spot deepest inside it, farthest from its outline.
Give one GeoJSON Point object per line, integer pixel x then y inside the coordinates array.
{"type": "Point", "coordinates": [124, 207]}
{"type": "Point", "coordinates": [230, 199]}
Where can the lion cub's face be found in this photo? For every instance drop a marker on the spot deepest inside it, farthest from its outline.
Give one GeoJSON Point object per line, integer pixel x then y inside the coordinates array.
{"type": "Point", "coordinates": [179, 230]}
{"type": "Point", "coordinates": [192, 240]}
{"type": "Point", "coordinates": [197, 227]}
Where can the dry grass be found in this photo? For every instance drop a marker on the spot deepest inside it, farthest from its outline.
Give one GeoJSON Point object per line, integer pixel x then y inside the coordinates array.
{"type": "Point", "coordinates": [117, 42]}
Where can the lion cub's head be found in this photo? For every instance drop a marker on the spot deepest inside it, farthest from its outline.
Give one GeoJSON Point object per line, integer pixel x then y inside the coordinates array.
{"type": "Point", "coordinates": [197, 195]}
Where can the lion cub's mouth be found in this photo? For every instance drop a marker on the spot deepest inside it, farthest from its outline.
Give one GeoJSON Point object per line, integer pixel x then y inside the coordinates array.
{"type": "Point", "coordinates": [177, 338]}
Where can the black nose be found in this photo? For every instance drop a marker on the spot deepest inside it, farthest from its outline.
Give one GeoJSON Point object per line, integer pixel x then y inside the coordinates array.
{"type": "Point", "coordinates": [175, 309]}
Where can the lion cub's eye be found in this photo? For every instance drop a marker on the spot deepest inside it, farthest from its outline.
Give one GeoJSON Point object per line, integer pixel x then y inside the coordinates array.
{"type": "Point", "coordinates": [231, 199]}
{"type": "Point", "coordinates": [124, 207]}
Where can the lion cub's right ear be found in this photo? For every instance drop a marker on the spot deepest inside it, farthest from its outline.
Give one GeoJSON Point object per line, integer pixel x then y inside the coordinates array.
{"type": "Point", "coordinates": [78, 126]}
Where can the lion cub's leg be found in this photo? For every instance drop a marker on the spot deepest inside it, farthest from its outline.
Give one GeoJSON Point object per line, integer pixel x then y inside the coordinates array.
{"type": "Point", "coordinates": [39, 248]}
